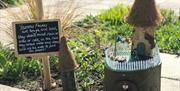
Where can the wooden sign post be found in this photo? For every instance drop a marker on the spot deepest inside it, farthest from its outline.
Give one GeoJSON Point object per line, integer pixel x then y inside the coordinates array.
{"type": "Point", "coordinates": [45, 59]}
{"type": "Point", "coordinates": [46, 73]}
{"type": "Point", "coordinates": [38, 39]}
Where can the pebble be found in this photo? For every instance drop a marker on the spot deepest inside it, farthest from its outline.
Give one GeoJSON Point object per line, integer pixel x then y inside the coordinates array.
{"type": "Point", "coordinates": [120, 59]}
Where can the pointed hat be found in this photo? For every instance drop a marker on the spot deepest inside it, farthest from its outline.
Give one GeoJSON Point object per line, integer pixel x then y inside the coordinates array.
{"type": "Point", "coordinates": [67, 61]}
{"type": "Point", "coordinates": [144, 13]}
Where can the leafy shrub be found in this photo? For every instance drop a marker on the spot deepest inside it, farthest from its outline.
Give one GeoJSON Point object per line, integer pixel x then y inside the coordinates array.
{"type": "Point", "coordinates": [13, 69]}
{"type": "Point", "coordinates": [91, 65]}
{"type": "Point", "coordinates": [114, 15]}
{"type": "Point", "coordinates": [168, 39]}
{"type": "Point", "coordinates": [54, 61]}
{"type": "Point", "coordinates": [124, 30]}
{"type": "Point", "coordinates": [167, 36]}
{"type": "Point", "coordinates": [168, 16]}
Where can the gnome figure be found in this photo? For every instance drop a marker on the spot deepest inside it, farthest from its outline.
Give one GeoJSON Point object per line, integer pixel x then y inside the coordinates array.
{"type": "Point", "coordinates": [145, 17]}
{"type": "Point", "coordinates": [67, 60]}
{"type": "Point", "coordinates": [67, 64]}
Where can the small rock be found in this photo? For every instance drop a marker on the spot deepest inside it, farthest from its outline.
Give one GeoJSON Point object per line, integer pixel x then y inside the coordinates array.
{"type": "Point", "coordinates": [53, 85]}
{"type": "Point", "coordinates": [120, 59]}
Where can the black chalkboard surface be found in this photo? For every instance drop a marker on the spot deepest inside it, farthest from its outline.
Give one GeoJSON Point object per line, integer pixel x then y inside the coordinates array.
{"type": "Point", "coordinates": [34, 38]}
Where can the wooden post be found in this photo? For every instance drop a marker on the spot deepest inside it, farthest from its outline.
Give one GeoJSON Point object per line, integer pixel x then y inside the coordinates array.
{"type": "Point", "coordinates": [45, 59]}
{"type": "Point", "coordinates": [46, 73]}
{"type": "Point", "coordinates": [40, 12]}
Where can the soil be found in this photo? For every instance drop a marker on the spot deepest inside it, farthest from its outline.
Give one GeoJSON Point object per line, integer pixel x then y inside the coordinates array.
{"type": "Point", "coordinates": [36, 84]}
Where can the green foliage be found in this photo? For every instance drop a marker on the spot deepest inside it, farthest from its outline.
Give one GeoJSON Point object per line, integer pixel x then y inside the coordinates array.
{"type": "Point", "coordinates": [91, 65]}
{"type": "Point", "coordinates": [168, 38]}
{"type": "Point", "coordinates": [114, 15]}
{"type": "Point", "coordinates": [54, 61]}
{"type": "Point", "coordinates": [13, 69]}
{"type": "Point", "coordinates": [13, 2]}
{"type": "Point", "coordinates": [32, 67]}
{"type": "Point", "coordinates": [104, 26]}
{"type": "Point", "coordinates": [124, 30]}
{"type": "Point", "coordinates": [107, 25]}
{"type": "Point", "coordinates": [111, 22]}
{"type": "Point", "coordinates": [169, 16]}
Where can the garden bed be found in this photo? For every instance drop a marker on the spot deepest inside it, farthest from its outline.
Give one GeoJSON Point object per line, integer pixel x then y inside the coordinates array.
{"type": "Point", "coordinates": [88, 39]}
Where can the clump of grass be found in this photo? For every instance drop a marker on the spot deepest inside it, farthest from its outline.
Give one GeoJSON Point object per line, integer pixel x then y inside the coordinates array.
{"type": "Point", "coordinates": [2, 5]}
{"type": "Point", "coordinates": [114, 15]}
{"type": "Point", "coordinates": [169, 16]}
{"type": "Point", "coordinates": [66, 11]}
{"type": "Point", "coordinates": [13, 2]}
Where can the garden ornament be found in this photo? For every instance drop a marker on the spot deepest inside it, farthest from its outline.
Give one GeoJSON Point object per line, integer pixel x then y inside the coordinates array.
{"type": "Point", "coordinates": [67, 60]}
{"type": "Point", "coordinates": [144, 16]}
{"type": "Point", "coordinates": [144, 13]}
{"type": "Point", "coordinates": [119, 39]}
{"type": "Point", "coordinates": [137, 68]}
{"type": "Point", "coordinates": [67, 66]}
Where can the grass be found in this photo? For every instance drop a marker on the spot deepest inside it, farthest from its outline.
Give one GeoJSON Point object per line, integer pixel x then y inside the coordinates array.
{"type": "Point", "coordinates": [114, 15]}
{"type": "Point", "coordinates": [13, 2]}
{"type": "Point", "coordinates": [64, 11]}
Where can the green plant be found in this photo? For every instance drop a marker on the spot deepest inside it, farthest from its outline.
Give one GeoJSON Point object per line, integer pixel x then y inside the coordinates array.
{"type": "Point", "coordinates": [114, 15]}
{"type": "Point", "coordinates": [13, 69]}
{"type": "Point", "coordinates": [90, 60]}
{"type": "Point", "coordinates": [168, 38]}
{"type": "Point", "coordinates": [66, 14]}
{"type": "Point", "coordinates": [169, 16]}
{"type": "Point", "coordinates": [10, 68]}
{"type": "Point", "coordinates": [54, 63]}
{"type": "Point", "coordinates": [104, 26]}
{"type": "Point", "coordinates": [14, 2]}
{"type": "Point", "coordinates": [32, 67]}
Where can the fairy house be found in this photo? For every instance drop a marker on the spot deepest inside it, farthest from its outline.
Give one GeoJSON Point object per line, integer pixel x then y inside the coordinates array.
{"type": "Point", "coordinates": [144, 17]}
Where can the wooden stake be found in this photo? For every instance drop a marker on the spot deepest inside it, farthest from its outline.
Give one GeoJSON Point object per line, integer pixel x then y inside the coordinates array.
{"type": "Point", "coordinates": [46, 73]}
{"type": "Point", "coordinates": [45, 59]}
{"type": "Point", "coordinates": [40, 12]}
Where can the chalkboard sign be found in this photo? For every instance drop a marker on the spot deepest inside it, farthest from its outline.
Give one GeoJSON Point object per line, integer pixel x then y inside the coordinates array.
{"type": "Point", "coordinates": [34, 38]}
